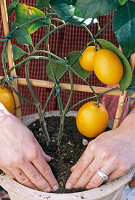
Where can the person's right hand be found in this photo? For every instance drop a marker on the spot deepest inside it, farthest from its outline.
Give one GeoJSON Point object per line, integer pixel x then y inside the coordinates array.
{"type": "Point", "coordinates": [112, 152]}
{"type": "Point", "coordinates": [21, 157]}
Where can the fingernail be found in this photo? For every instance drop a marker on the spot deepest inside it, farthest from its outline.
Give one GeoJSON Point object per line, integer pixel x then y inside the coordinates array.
{"type": "Point", "coordinates": [55, 187]}
{"type": "Point", "coordinates": [68, 186]}
{"type": "Point", "coordinates": [47, 156]}
{"type": "Point", "coordinates": [71, 169]}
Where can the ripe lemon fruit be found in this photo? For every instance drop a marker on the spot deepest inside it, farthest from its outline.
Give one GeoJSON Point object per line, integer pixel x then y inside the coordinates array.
{"type": "Point", "coordinates": [108, 67]}
{"type": "Point", "coordinates": [7, 99]}
{"type": "Point", "coordinates": [86, 60]}
{"type": "Point", "coordinates": [91, 119]}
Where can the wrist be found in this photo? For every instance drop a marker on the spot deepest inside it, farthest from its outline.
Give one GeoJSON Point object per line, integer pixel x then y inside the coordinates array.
{"type": "Point", "coordinates": [127, 127]}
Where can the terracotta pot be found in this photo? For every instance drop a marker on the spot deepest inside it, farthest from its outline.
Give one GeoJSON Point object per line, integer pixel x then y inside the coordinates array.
{"type": "Point", "coordinates": [108, 191]}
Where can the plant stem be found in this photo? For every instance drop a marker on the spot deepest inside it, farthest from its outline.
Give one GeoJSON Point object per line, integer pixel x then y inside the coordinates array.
{"type": "Point", "coordinates": [117, 88]}
{"type": "Point", "coordinates": [53, 73]}
{"type": "Point", "coordinates": [72, 89]}
{"type": "Point", "coordinates": [91, 98]}
{"type": "Point", "coordinates": [34, 57]}
{"type": "Point", "coordinates": [51, 14]}
{"type": "Point", "coordinates": [20, 96]}
{"type": "Point", "coordinates": [48, 99]}
{"type": "Point", "coordinates": [38, 106]}
{"type": "Point", "coordinates": [97, 101]}
{"type": "Point", "coordinates": [62, 119]}
{"type": "Point", "coordinates": [50, 54]}
{"type": "Point", "coordinates": [58, 20]}
{"type": "Point", "coordinates": [83, 80]}
{"type": "Point", "coordinates": [98, 33]}
{"type": "Point", "coordinates": [52, 91]}
{"type": "Point", "coordinates": [79, 103]}
{"type": "Point", "coordinates": [7, 78]}
{"type": "Point", "coordinates": [103, 29]}
{"type": "Point", "coordinates": [90, 33]}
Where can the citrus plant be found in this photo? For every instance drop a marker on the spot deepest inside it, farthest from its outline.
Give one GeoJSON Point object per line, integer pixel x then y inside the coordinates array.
{"type": "Point", "coordinates": [79, 13]}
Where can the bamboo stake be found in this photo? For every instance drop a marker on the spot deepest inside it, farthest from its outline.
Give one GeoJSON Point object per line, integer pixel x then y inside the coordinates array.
{"type": "Point", "coordinates": [120, 108]}
{"type": "Point", "coordinates": [67, 86]}
{"type": "Point", "coordinates": [122, 98]}
{"type": "Point", "coordinates": [10, 56]}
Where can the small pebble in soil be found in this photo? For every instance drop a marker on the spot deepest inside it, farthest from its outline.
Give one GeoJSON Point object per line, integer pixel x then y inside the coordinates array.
{"type": "Point", "coordinates": [40, 129]}
{"type": "Point", "coordinates": [69, 143]}
{"type": "Point", "coordinates": [85, 142]}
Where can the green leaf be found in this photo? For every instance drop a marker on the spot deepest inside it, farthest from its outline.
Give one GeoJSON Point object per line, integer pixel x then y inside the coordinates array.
{"type": "Point", "coordinates": [12, 7]}
{"type": "Point", "coordinates": [58, 70]}
{"type": "Point", "coordinates": [127, 72]}
{"type": "Point", "coordinates": [96, 8]}
{"type": "Point", "coordinates": [21, 35]}
{"type": "Point", "coordinates": [40, 4]}
{"type": "Point", "coordinates": [76, 66]}
{"type": "Point", "coordinates": [66, 10]}
{"type": "Point", "coordinates": [17, 53]}
{"type": "Point", "coordinates": [25, 13]}
{"type": "Point", "coordinates": [122, 2]}
{"type": "Point", "coordinates": [83, 12]}
{"type": "Point", "coordinates": [124, 27]}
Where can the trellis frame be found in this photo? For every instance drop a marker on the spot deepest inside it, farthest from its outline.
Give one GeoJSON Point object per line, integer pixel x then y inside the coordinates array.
{"type": "Point", "coordinates": [48, 84]}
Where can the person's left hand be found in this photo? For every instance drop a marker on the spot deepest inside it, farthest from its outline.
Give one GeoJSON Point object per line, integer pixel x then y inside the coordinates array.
{"type": "Point", "coordinates": [112, 152]}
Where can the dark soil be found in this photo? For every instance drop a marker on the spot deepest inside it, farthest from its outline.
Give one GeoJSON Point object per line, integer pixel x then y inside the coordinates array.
{"type": "Point", "coordinates": [67, 154]}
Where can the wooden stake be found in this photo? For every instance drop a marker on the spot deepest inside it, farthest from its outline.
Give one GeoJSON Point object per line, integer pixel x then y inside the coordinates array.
{"type": "Point", "coordinates": [120, 109]}
{"type": "Point", "coordinates": [122, 98]}
{"type": "Point", "coordinates": [10, 56]}
{"type": "Point", "coordinates": [67, 86]}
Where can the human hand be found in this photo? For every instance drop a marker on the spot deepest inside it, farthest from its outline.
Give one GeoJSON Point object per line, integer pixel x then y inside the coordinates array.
{"type": "Point", "coordinates": [112, 152]}
{"type": "Point", "coordinates": [21, 157]}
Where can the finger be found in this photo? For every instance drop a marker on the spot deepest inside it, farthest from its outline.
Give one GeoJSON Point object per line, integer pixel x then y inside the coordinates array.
{"type": "Point", "coordinates": [46, 172]}
{"type": "Point", "coordinates": [46, 157]}
{"type": "Point", "coordinates": [97, 180]}
{"type": "Point", "coordinates": [35, 177]}
{"type": "Point", "coordinates": [84, 161]}
{"type": "Point", "coordinates": [116, 174]}
{"type": "Point", "coordinates": [72, 168]}
{"type": "Point", "coordinates": [22, 178]}
{"type": "Point", "coordinates": [8, 172]}
{"type": "Point", "coordinates": [87, 174]}
{"type": "Point", "coordinates": [79, 168]}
